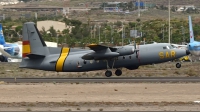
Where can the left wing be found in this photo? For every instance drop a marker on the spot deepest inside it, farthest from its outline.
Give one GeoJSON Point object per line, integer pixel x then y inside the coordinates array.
{"type": "Point", "coordinates": [100, 52]}
{"type": "Point", "coordinates": [96, 47]}
{"type": "Point", "coordinates": [105, 52]}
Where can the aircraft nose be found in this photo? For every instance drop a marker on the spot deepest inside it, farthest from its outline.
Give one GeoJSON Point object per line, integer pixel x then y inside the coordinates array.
{"type": "Point", "coordinates": [187, 52]}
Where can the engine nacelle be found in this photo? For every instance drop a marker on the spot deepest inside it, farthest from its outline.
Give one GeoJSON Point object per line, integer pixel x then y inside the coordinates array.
{"type": "Point", "coordinates": [125, 50]}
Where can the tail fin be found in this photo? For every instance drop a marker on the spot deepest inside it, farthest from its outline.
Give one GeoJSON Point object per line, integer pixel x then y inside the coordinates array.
{"type": "Point", "coordinates": [2, 39]}
{"type": "Point", "coordinates": [191, 30]}
{"type": "Point", "coordinates": [33, 44]}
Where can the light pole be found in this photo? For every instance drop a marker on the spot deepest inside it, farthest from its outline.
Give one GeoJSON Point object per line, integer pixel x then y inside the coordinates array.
{"type": "Point", "coordinates": [91, 32]}
{"type": "Point", "coordinates": [163, 32]}
{"type": "Point", "coordinates": [169, 20]}
{"type": "Point", "coordinates": [111, 26]}
{"type": "Point", "coordinates": [183, 33]}
{"type": "Point", "coordinates": [138, 8]}
{"type": "Point", "coordinates": [99, 34]}
{"type": "Point", "coordinates": [94, 30]}
{"type": "Point", "coordinates": [171, 32]}
{"type": "Point", "coordinates": [135, 31]}
{"type": "Point", "coordinates": [122, 33]}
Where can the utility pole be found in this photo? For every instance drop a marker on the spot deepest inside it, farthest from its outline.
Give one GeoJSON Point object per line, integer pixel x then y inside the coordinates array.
{"type": "Point", "coordinates": [163, 31]}
{"type": "Point", "coordinates": [122, 33]}
{"type": "Point", "coordinates": [99, 34]}
{"type": "Point", "coordinates": [169, 21]}
{"type": "Point", "coordinates": [138, 8]}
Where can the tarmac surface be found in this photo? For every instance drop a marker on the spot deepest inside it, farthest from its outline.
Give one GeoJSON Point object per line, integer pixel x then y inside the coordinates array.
{"type": "Point", "coordinates": [99, 96]}
{"type": "Point", "coordinates": [101, 80]}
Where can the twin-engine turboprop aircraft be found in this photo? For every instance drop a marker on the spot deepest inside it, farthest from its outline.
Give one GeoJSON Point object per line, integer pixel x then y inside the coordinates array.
{"type": "Point", "coordinates": [36, 55]}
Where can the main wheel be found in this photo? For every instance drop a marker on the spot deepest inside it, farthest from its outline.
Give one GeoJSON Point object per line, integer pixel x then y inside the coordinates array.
{"type": "Point", "coordinates": [3, 58]}
{"type": "Point", "coordinates": [178, 65]}
{"type": "Point", "coordinates": [108, 73]}
{"type": "Point", "coordinates": [118, 72]}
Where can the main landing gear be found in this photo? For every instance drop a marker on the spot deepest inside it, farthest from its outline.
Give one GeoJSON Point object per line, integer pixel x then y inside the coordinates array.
{"type": "Point", "coordinates": [108, 73]}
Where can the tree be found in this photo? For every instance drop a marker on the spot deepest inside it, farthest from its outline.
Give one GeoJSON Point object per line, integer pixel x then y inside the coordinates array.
{"type": "Point", "coordinates": [52, 32]}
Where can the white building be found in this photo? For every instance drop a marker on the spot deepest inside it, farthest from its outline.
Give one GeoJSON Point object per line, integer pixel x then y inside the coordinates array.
{"type": "Point", "coordinates": [58, 26]}
{"type": "Point", "coordinates": [184, 8]}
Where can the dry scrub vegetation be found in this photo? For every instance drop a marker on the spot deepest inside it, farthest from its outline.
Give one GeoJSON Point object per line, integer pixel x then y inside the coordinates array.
{"type": "Point", "coordinates": [168, 69]}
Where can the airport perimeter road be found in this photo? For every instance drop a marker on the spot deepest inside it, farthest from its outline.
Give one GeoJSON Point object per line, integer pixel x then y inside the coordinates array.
{"type": "Point", "coordinates": [101, 80]}
{"type": "Point", "coordinates": [100, 97]}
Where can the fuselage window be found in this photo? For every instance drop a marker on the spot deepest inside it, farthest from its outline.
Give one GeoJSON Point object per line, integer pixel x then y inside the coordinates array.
{"type": "Point", "coordinates": [164, 47]}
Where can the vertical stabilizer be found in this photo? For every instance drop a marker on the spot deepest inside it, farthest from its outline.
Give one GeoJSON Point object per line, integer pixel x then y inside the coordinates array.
{"type": "Point", "coordinates": [33, 44]}
{"type": "Point", "coordinates": [191, 30]}
{"type": "Point", "coordinates": [2, 39]}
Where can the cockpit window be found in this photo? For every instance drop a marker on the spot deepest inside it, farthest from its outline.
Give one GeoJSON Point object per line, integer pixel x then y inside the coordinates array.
{"type": "Point", "coordinates": [173, 46]}
{"type": "Point", "coordinates": [16, 51]}
{"type": "Point", "coordinates": [168, 47]}
{"type": "Point", "coordinates": [165, 47]}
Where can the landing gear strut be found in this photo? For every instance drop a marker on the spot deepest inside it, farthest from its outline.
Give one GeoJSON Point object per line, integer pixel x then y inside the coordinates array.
{"type": "Point", "coordinates": [108, 73]}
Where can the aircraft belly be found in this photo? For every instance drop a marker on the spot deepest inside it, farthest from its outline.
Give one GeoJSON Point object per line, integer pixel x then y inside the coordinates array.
{"type": "Point", "coordinates": [78, 65]}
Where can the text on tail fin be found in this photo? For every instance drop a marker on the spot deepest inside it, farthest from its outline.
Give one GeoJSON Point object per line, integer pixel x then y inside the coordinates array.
{"type": "Point", "coordinates": [2, 39]}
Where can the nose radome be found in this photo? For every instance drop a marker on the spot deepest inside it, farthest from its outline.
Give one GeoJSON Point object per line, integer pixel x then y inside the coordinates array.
{"type": "Point", "coordinates": [187, 52]}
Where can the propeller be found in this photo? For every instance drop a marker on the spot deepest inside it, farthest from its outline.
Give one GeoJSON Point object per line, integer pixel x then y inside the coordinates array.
{"type": "Point", "coordinates": [136, 50]}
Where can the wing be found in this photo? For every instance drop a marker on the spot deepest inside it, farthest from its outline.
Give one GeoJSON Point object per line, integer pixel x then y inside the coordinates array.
{"type": "Point", "coordinates": [96, 47]}
{"type": "Point", "coordinates": [4, 53]}
{"type": "Point", "coordinates": [100, 52]}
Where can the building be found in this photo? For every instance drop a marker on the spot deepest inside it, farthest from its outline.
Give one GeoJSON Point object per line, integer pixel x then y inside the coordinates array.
{"type": "Point", "coordinates": [185, 8]}
{"type": "Point", "coordinates": [58, 26]}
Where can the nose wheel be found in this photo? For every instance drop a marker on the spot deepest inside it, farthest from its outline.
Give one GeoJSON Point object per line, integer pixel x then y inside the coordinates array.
{"type": "Point", "coordinates": [178, 65]}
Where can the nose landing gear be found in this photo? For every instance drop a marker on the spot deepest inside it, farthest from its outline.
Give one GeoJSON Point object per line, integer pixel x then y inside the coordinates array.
{"type": "Point", "coordinates": [178, 65]}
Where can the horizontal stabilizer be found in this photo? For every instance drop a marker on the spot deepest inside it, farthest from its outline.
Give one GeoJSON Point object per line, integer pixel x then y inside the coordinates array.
{"type": "Point", "coordinates": [35, 56]}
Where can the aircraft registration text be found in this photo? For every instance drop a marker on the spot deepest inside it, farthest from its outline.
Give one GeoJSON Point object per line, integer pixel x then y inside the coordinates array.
{"type": "Point", "coordinates": [167, 54]}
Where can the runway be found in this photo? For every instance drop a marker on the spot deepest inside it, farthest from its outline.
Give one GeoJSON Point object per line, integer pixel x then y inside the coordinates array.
{"type": "Point", "coordinates": [103, 80]}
